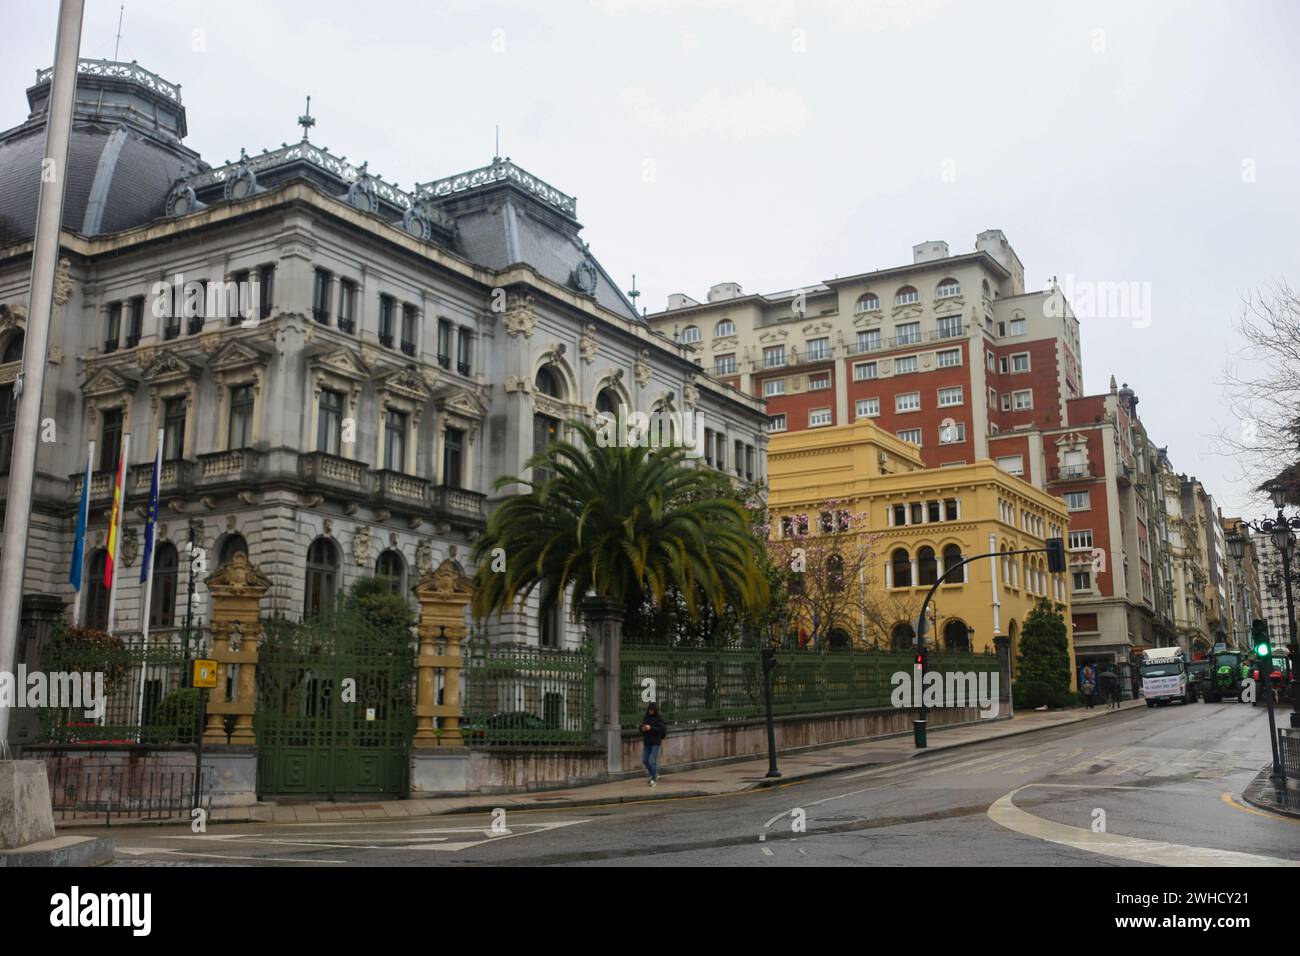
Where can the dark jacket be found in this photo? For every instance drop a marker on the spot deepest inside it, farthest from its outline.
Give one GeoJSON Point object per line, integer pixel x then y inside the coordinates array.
{"type": "Point", "coordinates": [657, 732]}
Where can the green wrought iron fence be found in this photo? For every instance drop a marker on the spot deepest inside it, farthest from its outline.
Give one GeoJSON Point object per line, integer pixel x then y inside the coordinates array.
{"type": "Point", "coordinates": [707, 684]}
{"type": "Point", "coordinates": [518, 695]}
{"type": "Point", "coordinates": [145, 693]}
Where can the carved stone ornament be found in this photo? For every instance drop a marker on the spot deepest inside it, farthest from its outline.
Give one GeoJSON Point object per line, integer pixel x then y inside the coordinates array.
{"type": "Point", "coordinates": [63, 284]}
{"type": "Point", "coordinates": [641, 370]}
{"type": "Point", "coordinates": [130, 546]}
{"type": "Point", "coordinates": [361, 545]}
{"type": "Point", "coordinates": [519, 315]}
{"type": "Point", "coordinates": [450, 579]}
{"type": "Point", "coordinates": [587, 344]}
{"type": "Point", "coordinates": [237, 577]}
{"type": "Point", "coordinates": [690, 394]}
{"type": "Point", "coordinates": [424, 557]}
{"type": "Point", "coordinates": [518, 383]}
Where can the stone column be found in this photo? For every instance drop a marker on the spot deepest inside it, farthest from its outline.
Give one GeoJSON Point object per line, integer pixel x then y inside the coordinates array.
{"type": "Point", "coordinates": [604, 621]}
{"type": "Point", "coordinates": [236, 591]}
{"type": "Point", "coordinates": [444, 594]}
{"type": "Point", "coordinates": [1002, 644]}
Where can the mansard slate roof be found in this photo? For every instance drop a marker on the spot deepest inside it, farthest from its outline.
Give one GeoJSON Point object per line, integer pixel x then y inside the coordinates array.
{"type": "Point", "coordinates": [124, 153]}
{"type": "Point", "coordinates": [127, 167]}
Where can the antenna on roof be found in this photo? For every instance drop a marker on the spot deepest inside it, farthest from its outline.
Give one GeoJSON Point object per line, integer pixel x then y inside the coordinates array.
{"type": "Point", "coordinates": [121, 12]}
{"type": "Point", "coordinates": [496, 153]}
{"type": "Point", "coordinates": [632, 293]}
{"type": "Point", "coordinates": [305, 120]}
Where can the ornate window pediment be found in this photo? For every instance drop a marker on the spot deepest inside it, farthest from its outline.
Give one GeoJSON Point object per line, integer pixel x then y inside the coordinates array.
{"type": "Point", "coordinates": [409, 383]}
{"type": "Point", "coordinates": [342, 364]}
{"type": "Point", "coordinates": [107, 384]}
{"type": "Point", "coordinates": [169, 368]}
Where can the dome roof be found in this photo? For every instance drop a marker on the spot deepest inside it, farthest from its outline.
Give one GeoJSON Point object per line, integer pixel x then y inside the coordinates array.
{"type": "Point", "coordinates": [124, 154]}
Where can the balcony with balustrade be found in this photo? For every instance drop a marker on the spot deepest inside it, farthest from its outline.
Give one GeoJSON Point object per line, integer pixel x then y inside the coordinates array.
{"type": "Point", "coordinates": [1069, 472]}
{"type": "Point", "coordinates": [237, 467]}
{"type": "Point", "coordinates": [458, 505]}
{"type": "Point", "coordinates": [330, 473]}
{"type": "Point", "coordinates": [401, 492]}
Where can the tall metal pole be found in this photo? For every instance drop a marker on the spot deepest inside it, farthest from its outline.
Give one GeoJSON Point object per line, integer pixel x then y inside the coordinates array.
{"type": "Point", "coordinates": [31, 381]}
{"type": "Point", "coordinates": [1290, 620]}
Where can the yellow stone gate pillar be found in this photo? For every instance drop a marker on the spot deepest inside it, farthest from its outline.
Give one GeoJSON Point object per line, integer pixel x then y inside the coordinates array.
{"type": "Point", "coordinates": [444, 596]}
{"type": "Point", "coordinates": [236, 590]}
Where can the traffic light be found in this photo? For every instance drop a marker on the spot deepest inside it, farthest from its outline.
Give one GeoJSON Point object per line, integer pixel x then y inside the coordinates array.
{"type": "Point", "coordinates": [769, 660]}
{"type": "Point", "coordinates": [920, 659]}
{"type": "Point", "coordinates": [1259, 638]}
{"type": "Point", "coordinates": [1056, 555]}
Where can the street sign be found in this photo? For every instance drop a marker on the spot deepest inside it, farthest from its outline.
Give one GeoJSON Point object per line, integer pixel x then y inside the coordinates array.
{"type": "Point", "coordinates": [205, 673]}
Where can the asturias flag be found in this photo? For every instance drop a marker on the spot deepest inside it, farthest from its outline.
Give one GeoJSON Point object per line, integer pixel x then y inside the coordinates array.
{"type": "Point", "coordinates": [83, 511]}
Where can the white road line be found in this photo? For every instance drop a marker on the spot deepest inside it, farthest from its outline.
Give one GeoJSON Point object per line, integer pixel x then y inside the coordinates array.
{"type": "Point", "coordinates": [144, 850]}
{"type": "Point", "coordinates": [1005, 813]}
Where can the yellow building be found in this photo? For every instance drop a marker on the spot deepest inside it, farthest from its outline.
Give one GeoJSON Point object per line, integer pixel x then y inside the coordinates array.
{"type": "Point", "coordinates": [906, 523]}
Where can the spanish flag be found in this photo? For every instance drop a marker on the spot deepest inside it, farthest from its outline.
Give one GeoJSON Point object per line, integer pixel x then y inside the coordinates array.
{"type": "Point", "coordinates": [115, 520]}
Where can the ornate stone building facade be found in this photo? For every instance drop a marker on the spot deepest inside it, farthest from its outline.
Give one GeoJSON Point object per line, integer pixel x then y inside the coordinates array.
{"type": "Point", "coordinates": [340, 368]}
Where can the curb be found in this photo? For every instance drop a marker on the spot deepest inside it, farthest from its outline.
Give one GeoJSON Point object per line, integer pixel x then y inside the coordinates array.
{"type": "Point", "coordinates": [1262, 794]}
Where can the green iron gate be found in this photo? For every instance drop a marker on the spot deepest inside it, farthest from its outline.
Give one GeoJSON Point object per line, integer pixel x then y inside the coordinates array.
{"type": "Point", "coordinates": [334, 708]}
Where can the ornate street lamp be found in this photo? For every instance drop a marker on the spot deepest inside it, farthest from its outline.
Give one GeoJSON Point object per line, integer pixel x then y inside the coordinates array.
{"type": "Point", "coordinates": [1281, 531]}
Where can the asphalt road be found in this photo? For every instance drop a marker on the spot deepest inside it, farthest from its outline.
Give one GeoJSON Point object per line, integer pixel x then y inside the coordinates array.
{"type": "Point", "coordinates": [1145, 787]}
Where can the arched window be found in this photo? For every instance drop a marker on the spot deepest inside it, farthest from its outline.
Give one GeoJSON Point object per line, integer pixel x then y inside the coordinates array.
{"type": "Point", "coordinates": [607, 401]}
{"type": "Point", "coordinates": [725, 327]}
{"type": "Point", "coordinates": [867, 302]}
{"type": "Point", "coordinates": [390, 566]}
{"type": "Point", "coordinates": [902, 636]}
{"type": "Point", "coordinates": [322, 578]}
{"type": "Point", "coordinates": [902, 565]}
{"type": "Point", "coordinates": [988, 292]}
{"type": "Point", "coordinates": [547, 382]}
{"type": "Point", "coordinates": [162, 604]}
{"type": "Point", "coordinates": [956, 636]}
{"type": "Point", "coordinates": [838, 639]}
{"type": "Point", "coordinates": [13, 348]}
{"type": "Point", "coordinates": [96, 593]}
{"type": "Point", "coordinates": [907, 295]}
{"type": "Point", "coordinates": [835, 573]}
{"type": "Point", "coordinates": [948, 288]}
{"type": "Point", "coordinates": [927, 568]}
{"type": "Point", "coordinates": [231, 545]}
{"type": "Point", "coordinates": [691, 334]}
{"type": "Point", "coordinates": [951, 558]}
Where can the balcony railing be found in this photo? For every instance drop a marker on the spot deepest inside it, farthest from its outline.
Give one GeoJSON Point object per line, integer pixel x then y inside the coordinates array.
{"type": "Point", "coordinates": [386, 340]}
{"type": "Point", "coordinates": [110, 346]}
{"type": "Point", "coordinates": [347, 325]}
{"type": "Point", "coordinates": [1069, 472]}
{"type": "Point", "coordinates": [462, 367]}
{"type": "Point", "coordinates": [333, 473]}
{"type": "Point", "coordinates": [912, 338]}
{"type": "Point", "coordinates": [724, 369]}
{"type": "Point", "coordinates": [396, 489]}
{"type": "Point", "coordinates": [101, 484]}
{"type": "Point", "coordinates": [321, 316]}
{"type": "Point", "coordinates": [177, 476]}
{"type": "Point", "coordinates": [408, 348]}
{"type": "Point", "coordinates": [458, 503]}
{"type": "Point", "coordinates": [237, 466]}
{"type": "Point", "coordinates": [132, 340]}
{"type": "Point", "coordinates": [444, 360]}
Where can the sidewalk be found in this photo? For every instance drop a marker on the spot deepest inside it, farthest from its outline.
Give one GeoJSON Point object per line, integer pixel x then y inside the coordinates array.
{"type": "Point", "coordinates": [698, 782]}
{"type": "Point", "coordinates": [734, 777]}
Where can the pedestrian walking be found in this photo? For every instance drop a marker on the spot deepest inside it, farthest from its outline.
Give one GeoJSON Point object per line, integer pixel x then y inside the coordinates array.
{"type": "Point", "coordinates": [1088, 686]}
{"type": "Point", "coordinates": [1108, 681]}
{"type": "Point", "coordinates": [653, 732]}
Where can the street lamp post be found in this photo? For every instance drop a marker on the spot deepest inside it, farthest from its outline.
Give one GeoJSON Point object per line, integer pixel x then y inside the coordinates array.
{"type": "Point", "coordinates": [1281, 530]}
{"type": "Point", "coordinates": [1237, 549]}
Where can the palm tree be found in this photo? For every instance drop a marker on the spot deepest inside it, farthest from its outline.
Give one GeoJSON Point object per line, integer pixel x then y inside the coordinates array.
{"type": "Point", "coordinates": [618, 522]}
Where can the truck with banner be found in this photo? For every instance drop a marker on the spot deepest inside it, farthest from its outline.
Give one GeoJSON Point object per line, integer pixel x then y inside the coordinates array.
{"type": "Point", "coordinates": [1164, 677]}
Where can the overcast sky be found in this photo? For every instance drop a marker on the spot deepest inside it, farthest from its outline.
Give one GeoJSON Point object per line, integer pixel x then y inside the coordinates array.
{"type": "Point", "coordinates": [777, 144]}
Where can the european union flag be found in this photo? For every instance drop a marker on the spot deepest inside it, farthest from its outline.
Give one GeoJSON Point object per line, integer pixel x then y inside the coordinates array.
{"type": "Point", "coordinates": [150, 523]}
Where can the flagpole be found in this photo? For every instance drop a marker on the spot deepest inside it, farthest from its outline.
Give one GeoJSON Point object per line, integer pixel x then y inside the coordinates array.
{"type": "Point", "coordinates": [83, 518]}
{"type": "Point", "coordinates": [115, 531]}
{"type": "Point", "coordinates": [150, 530]}
{"type": "Point", "coordinates": [40, 308]}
